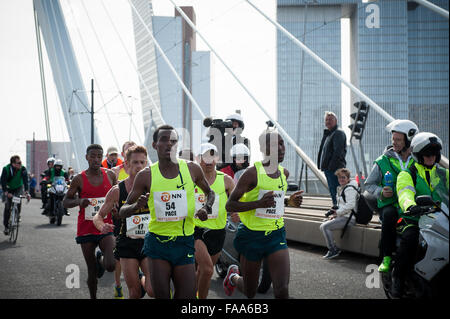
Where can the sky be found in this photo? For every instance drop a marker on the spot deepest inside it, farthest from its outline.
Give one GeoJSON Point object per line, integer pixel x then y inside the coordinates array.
{"type": "Point", "coordinates": [239, 34]}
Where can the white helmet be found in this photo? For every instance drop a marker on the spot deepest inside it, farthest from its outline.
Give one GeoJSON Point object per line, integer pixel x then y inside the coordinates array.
{"type": "Point", "coordinates": [426, 143]}
{"type": "Point", "coordinates": [58, 162]}
{"type": "Point", "coordinates": [407, 127]}
{"type": "Point", "coordinates": [239, 149]}
{"type": "Point", "coordinates": [51, 159]}
{"type": "Point", "coordinates": [236, 117]}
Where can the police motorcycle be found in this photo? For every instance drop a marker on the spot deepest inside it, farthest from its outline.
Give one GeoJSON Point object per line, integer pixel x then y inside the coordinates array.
{"type": "Point", "coordinates": [230, 256]}
{"type": "Point", "coordinates": [58, 190]}
{"type": "Point", "coordinates": [430, 275]}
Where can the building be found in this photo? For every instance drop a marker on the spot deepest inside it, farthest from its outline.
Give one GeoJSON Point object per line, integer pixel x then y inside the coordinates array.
{"type": "Point", "coordinates": [396, 53]}
{"type": "Point", "coordinates": [177, 39]}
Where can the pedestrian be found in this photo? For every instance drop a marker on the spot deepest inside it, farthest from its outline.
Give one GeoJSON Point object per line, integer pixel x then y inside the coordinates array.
{"type": "Point", "coordinates": [259, 198]}
{"type": "Point", "coordinates": [88, 190]}
{"type": "Point", "coordinates": [332, 151]}
{"type": "Point", "coordinates": [347, 196]}
{"type": "Point", "coordinates": [168, 186]}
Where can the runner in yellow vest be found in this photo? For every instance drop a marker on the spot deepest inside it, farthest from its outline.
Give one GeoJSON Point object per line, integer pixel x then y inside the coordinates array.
{"type": "Point", "coordinates": [259, 196]}
{"type": "Point", "coordinates": [209, 235]}
{"type": "Point", "coordinates": [121, 170]}
{"type": "Point", "coordinates": [168, 186]}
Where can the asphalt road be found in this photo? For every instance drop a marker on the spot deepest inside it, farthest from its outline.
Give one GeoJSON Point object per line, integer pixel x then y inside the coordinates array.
{"type": "Point", "coordinates": [44, 262]}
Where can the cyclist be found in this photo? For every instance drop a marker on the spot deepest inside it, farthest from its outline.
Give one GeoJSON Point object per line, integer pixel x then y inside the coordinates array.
{"type": "Point", "coordinates": [259, 197]}
{"type": "Point", "coordinates": [209, 235]}
{"type": "Point", "coordinates": [168, 186]}
{"type": "Point", "coordinates": [425, 177]}
{"type": "Point", "coordinates": [43, 183]}
{"type": "Point", "coordinates": [14, 180]}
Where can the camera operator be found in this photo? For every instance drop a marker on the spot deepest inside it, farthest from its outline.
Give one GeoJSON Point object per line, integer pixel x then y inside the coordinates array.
{"type": "Point", "coordinates": [240, 155]}
{"type": "Point", "coordinates": [225, 134]}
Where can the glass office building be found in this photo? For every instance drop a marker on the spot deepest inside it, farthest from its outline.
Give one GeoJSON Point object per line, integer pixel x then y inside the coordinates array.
{"type": "Point", "coordinates": [398, 56]}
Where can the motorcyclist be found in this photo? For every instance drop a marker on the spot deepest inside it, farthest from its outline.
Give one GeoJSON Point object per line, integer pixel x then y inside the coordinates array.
{"type": "Point", "coordinates": [425, 177]}
{"type": "Point", "coordinates": [56, 170]}
{"type": "Point", "coordinates": [43, 183]}
{"type": "Point", "coordinates": [396, 158]}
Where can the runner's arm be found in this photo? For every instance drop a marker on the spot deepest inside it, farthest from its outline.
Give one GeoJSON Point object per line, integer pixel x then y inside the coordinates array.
{"type": "Point", "coordinates": [246, 183]}
{"type": "Point", "coordinates": [112, 197]}
{"type": "Point", "coordinates": [200, 180]}
{"type": "Point", "coordinates": [71, 199]}
{"type": "Point", "coordinates": [135, 199]}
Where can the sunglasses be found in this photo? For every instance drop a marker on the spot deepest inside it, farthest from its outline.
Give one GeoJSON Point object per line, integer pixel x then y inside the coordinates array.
{"type": "Point", "coordinates": [18, 163]}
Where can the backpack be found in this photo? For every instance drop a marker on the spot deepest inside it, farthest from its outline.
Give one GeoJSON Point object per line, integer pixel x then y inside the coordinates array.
{"type": "Point", "coordinates": [363, 213]}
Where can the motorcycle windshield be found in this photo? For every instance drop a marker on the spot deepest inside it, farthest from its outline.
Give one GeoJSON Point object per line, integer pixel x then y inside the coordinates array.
{"type": "Point", "coordinates": [441, 189]}
{"type": "Point", "coordinates": [59, 180]}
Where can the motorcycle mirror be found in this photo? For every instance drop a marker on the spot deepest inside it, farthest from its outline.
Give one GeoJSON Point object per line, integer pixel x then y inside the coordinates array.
{"type": "Point", "coordinates": [292, 187]}
{"type": "Point", "coordinates": [424, 200]}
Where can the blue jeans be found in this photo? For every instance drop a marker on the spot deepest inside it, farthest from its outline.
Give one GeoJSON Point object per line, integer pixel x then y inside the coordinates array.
{"type": "Point", "coordinates": [333, 183]}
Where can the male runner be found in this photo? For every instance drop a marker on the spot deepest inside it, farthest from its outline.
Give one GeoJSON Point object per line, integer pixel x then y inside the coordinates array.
{"type": "Point", "coordinates": [209, 235]}
{"type": "Point", "coordinates": [88, 190]}
{"type": "Point", "coordinates": [132, 228]}
{"type": "Point", "coordinates": [259, 197]}
{"type": "Point", "coordinates": [168, 186]}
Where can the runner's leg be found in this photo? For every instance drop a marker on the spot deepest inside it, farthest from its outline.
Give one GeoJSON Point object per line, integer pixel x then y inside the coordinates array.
{"type": "Point", "coordinates": [88, 250]}
{"type": "Point", "coordinates": [145, 267]}
{"type": "Point", "coordinates": [160, 273]}
{"type": "Point", "coordinates": [205, 268]}
{"type": "Point", "coordinates": [130, 267]}
{"type": "Point", "coordinates": [184, 281]}
{"type": "Point", "coordinates": [279, 268]}
{"type": "Point", "coordinates": [248, 282]}
{"type": "Point", "coordinates": [107, 245]}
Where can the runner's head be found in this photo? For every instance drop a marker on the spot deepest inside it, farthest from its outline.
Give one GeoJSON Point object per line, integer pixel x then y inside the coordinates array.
{"type": "Point", "coordinates": [165, 142]}
{"type": "Point", "coordinates": [208, 156]}
{"type": "Point", "coordinates": [126, 146]}
{"type": "Point", "coordinates": [271, 144]}
{"type": "Point", "coordinates": [94, 156]}
{"type": "Point", "coordinates": [136, 159]}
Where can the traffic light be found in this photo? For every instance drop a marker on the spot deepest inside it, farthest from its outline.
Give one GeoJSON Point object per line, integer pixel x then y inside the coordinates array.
{"type": "Point", "coordinates": [360, 118]}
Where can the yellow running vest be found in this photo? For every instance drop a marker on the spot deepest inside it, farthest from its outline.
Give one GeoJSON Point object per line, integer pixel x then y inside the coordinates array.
{"type": "Point", "coordinates": [122, 174]}
{"type": "Point", "coordinates": [171, 202]}
{"type": "Point", "coordinates": [265, 219]}
{"type": "Point", "coordinates": [218, 217]}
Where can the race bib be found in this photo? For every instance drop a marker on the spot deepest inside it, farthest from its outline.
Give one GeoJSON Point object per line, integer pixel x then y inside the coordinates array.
{"type": "Point", "coordinates": [170, 206]}
{"type": "Point", "coordinates": [93, 207]}
{"type": "Point", "coordinates": [137, 226]}
{"type": "Point", "coordinates": [274, 212]}
{"type": "Point", "coordinates": [200, 201]}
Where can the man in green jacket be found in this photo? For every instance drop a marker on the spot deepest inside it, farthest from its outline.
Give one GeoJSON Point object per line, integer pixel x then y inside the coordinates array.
{"type": "Point", "coordinates": [14, 179]}
{"type": "Point", "coordinates": [425, 177]}
{"type": "Point", "coordinates": [396, 158]}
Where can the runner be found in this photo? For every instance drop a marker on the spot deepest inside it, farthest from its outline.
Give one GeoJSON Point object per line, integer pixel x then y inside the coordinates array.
{"type": "Point", "coordinates": [88, 190]}
{"type": "Point", "coordinates": [121, 172]}
{"type": "Point", "coordinates": [209, 235]}
{"type": "Point", "coordinates": [132, 228]}
{"type": "Point", "coordinates": [259, 196]}
{"type": "Point", "coordinates": [168, 186]}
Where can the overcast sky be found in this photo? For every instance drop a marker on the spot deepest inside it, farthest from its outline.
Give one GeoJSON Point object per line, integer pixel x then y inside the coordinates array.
{"type": "Point", "coordinates": [244, 39]}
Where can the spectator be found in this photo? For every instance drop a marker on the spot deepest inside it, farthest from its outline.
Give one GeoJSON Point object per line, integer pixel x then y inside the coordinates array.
{"type": "Point", "coordinates": [332, 151]}
{"type": "Point", "coordinates": [337, 218]}
{"type": "Point", "coordinates": [112, 158]}
{"type": "Point", "coordinates": [186, 154]}
{"type": "Point", "coordinates": [33, 184]}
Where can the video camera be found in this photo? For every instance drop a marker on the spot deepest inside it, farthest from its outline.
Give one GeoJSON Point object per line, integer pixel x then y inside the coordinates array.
{"type": "Point", "coordinates": [217, 123]}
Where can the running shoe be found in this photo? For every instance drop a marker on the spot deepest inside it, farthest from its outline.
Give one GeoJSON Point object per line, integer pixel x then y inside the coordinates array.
{"type": "Point", "coordinates": [100, 268]}
{"type": "Point", "coordinates": [228, 286]}
{"type": "Point", "coordinates": [118, 292]}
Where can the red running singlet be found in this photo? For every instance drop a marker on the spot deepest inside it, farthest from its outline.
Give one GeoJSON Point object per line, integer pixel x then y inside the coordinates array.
{"type": "Point", "coordinates": [87, 227]}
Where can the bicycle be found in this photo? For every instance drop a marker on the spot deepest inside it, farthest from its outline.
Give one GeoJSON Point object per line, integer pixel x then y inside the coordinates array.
{"type": "Point", "coordinates": [14, 218]}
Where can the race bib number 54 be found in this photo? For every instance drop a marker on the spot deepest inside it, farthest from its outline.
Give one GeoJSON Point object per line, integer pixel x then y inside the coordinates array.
{"type": "Point", "coordinates": [170, 205]}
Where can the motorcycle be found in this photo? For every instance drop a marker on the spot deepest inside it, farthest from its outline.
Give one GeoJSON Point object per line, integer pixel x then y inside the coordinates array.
{"type": "Point", "coordinates": [230, 256]}
{"type": "Point", "coordinates": [56, 192]}
{"type": "Point", "coordinates": [430, 275]}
